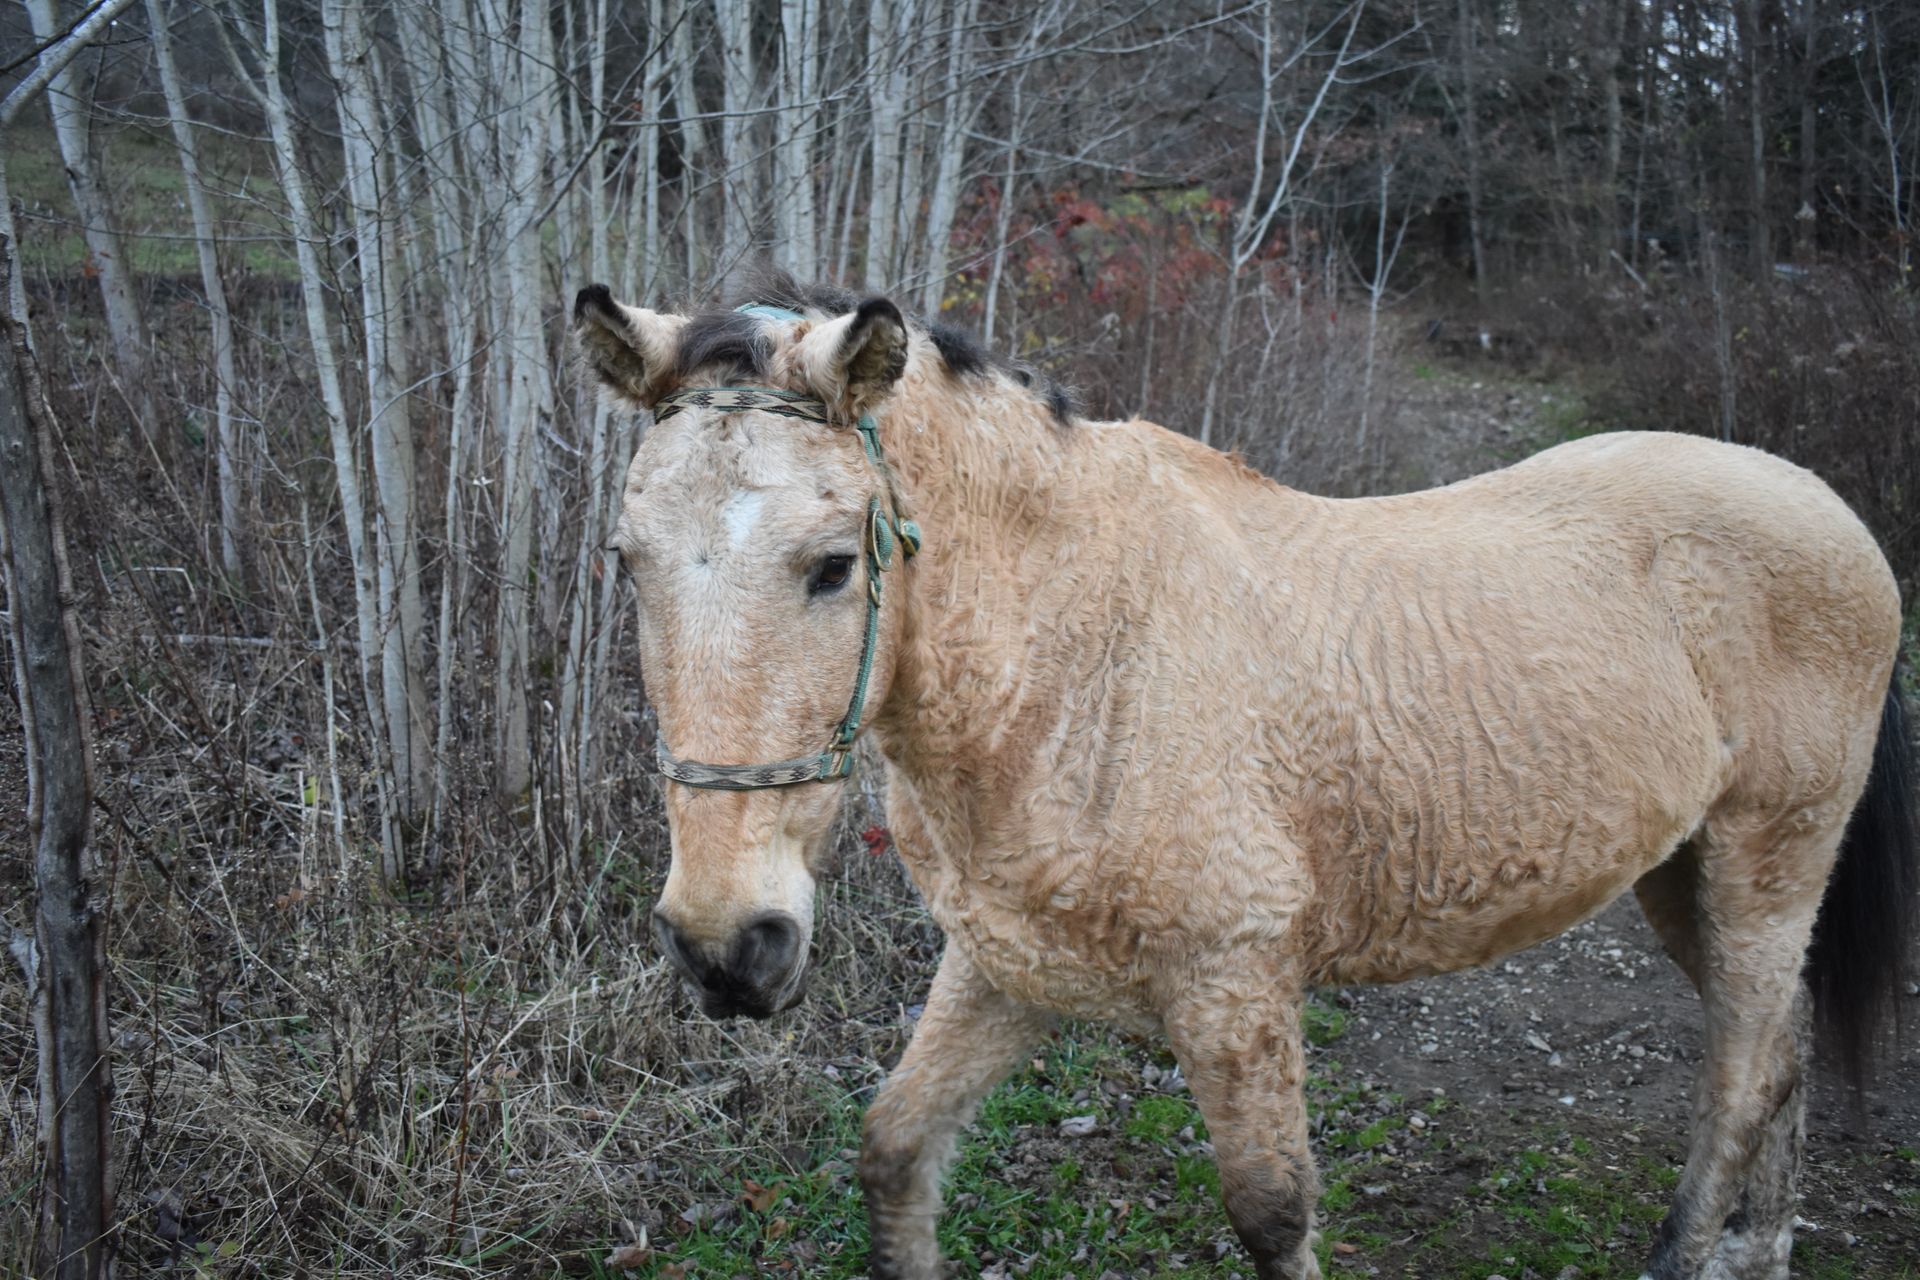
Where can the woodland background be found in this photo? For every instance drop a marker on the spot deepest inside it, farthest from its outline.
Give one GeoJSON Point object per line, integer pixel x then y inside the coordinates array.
{"type": "Point", "coordinates": [376, 827]}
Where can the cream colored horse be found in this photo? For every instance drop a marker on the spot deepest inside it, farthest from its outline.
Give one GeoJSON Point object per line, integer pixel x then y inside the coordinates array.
{"type": "Point", "coordinates": [1169, 744]}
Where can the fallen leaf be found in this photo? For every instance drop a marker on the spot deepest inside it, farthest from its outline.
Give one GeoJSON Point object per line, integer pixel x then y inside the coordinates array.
{"type": "Point", "coordinates": [759, 1198]}
{"type": "Point", "coordinates": [629, 1256]}
{"type": "Point", "coordinates": [1078, 1126]}
{"type": "Point", "coordinates": [1344, 1249]}
{"type": "Point", "coordinates": [778, 1228]}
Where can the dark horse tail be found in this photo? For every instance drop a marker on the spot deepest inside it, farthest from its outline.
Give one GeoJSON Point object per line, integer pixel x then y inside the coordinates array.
{"type": "Point", "coordinates": [1858, 965]}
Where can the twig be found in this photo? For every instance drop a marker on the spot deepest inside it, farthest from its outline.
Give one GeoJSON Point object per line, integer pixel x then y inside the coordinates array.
{"type": "Point", "coordinates": [1626, 267]}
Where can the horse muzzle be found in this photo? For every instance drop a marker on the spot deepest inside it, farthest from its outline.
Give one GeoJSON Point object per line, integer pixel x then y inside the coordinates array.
{"type": "Point", "coordinates": [759, 971]}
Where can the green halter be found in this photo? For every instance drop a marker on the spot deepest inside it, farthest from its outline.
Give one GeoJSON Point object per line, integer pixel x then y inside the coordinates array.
{"type": "Point", "coordinates": [884, 531]}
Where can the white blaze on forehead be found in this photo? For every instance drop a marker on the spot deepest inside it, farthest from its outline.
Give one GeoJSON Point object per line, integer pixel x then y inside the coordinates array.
{"type": "Point", "coordinates": [741, 514]}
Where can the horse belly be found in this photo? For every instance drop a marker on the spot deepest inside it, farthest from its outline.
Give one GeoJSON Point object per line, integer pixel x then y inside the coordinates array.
{"type": "Point", "coordinates": [1461, 858]}
{"type": "Point", "coordinates": [1441, 937]}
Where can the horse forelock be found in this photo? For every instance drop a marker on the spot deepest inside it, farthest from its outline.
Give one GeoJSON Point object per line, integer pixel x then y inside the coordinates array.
{"type": "Point", "coordinates": [732, 341]}
{"type": "Point", "coordinates": [739, 345]}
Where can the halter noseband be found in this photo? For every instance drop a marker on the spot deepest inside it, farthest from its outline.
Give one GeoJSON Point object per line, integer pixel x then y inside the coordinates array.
{"type": "Point", "coordinates": [884, 531]}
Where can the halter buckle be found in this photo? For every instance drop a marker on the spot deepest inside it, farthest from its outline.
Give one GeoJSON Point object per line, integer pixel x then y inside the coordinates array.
{"type": "Point", "coordinates": [839, 764]}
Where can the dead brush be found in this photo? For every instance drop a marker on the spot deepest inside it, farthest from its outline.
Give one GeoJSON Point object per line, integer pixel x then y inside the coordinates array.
{"type": "Point", "coordinates": [328, 1080]}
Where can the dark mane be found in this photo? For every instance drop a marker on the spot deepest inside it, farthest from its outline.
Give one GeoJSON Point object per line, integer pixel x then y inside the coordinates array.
{"type": "Point", "coordinates": [738, 342]}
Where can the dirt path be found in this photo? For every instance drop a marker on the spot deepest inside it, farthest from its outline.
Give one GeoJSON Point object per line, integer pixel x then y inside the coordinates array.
{"type": "Point", "coordinates": [1584, 1048]}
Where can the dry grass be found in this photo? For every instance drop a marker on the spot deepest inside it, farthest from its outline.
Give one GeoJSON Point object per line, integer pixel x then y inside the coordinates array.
{"type": "Point", "coordinates": [495, 1077]}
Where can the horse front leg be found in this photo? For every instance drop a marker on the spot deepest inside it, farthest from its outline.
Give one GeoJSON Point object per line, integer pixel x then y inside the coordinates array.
{"type": "Point", "coordinates": [969, 1037]}
{"type": "Point", "coordinates": [1236, 1032]}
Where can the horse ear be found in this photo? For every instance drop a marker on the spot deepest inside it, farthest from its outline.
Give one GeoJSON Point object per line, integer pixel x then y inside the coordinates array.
{"type": "Point", "coordinates": [630, 349]}
{"type": "Point", "coordinates": [853, 362]}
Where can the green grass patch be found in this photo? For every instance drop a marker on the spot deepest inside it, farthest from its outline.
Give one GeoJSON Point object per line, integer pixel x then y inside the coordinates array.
{"type": "Point", "coordinates": [1158, 1119]}
{"type": "Point", "coordinates": [1322, 1023]}
{"type": "Point", "coordinates": [147, 193]}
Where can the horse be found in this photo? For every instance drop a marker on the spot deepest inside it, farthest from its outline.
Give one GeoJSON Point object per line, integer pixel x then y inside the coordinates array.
{"type": "Point", "coordinates": [1169, 744]}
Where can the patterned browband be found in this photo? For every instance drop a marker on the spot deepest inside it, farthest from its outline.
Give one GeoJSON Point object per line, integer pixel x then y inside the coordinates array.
{"type": "Point", "coordinates": [787, 404]}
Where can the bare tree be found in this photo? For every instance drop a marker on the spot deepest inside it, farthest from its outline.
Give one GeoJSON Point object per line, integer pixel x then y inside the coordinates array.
{"type": "Point", "coordinates": [270, 91]}
{"type": "Point", "coordinates": [64, 959]}
{"type": "Point", "coordinates": [126, 325]}
{"type": "Point", "coordinates": [889, 24]}
{"type": "Point", "coordinates": [1268, 194]}
{"type": "Point", "coordinates": [956, 124]}
{"type": "Point", "coordinates": [1893, 112]}
{"type": "Point", "coordinates": [228, 460]}
{"type": "Point", "coordinates": [798, 247]}
{"type": "Point", "coordinates": [524, 136]}
{"type": "Point", "coordinates": [370, 186]}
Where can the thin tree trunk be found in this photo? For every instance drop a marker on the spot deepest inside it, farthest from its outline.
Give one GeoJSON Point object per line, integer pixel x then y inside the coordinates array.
{"type": "Point", "coordinates": [1605, 57]}
{"type": "Point", "coordinates": [228, 463]}
{"type": "Point", "coordinates": [799, 125]}
{"type": "Point", "coordinates": [1383, 259]}
{"type": "Point", "coordinates": [382, 304]}
{"type": "Point", "coordinates": [1003, 216]}
{"type": "Point", "coordinates": [908, 247]}
{"type": "Point", "coordinates": [1222, 348]}
{"type": "Point", "coordinates": [643, 209]}
{"type": "Point", "coordinates": [1806, 217]}
{"type": "Point", "coordinates": [1470, 128]}
{"type": "Point", "coordinates": [693, 147]}
{"type": "Point", "coordinates": [444, 97]}
{"type": "Point", "coordinates": [64, 961]}
{"type": "Point", "coordinates": [739, 193]}
{"type": "Point", "coordinates": [307, 238]}
{"type": "Point", "coordinates": [1884, 115]}
{"type": "Point", "coordinates": [955, 125]}
{"type": "Point", "coordinates": [886, 98]}
{"type": "Point", "coordinates": [843, 256]}
{"type": "Point", "coordinates": [1650, 56]}
{"type": "Point", "coordinates": [1759, 231]}
{"type": "Point", "coordinates": [524, 139]}
{"type": "Point", "coordinates": [1722, 333]}
{"type": "Point", "coordinates": [126, 326]}
{"type": "Point", "coordinates": [586, 619]}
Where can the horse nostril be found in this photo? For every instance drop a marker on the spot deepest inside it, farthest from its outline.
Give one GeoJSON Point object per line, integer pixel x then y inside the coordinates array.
{"type": "Point", "coordinates": [673, 945]}
{"type": "Point", "coordinates": [766, 951]}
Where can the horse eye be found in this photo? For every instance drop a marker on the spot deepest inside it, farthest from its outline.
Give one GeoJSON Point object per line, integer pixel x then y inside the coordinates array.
{"type": "Point", "coordinates": [830, 575]}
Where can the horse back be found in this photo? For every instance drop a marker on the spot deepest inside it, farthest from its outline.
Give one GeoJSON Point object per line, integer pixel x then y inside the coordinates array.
{"type": "Point", "coordinates": [1502, 702]}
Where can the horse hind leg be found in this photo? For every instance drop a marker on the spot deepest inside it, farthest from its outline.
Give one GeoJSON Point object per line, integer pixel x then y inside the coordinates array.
{"type": "Point", "coordinates": [1732, 1215]}
{"type": "Point", "coordinates": [1757, 1240]}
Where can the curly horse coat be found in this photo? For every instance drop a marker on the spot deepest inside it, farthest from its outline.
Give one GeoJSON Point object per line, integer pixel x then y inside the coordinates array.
{"type": "Point", "coordinates": [1168, 743]}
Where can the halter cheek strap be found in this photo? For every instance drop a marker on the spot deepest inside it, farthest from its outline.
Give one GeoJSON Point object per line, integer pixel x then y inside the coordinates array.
{"type": "Point", "coordinates": [884, 532]}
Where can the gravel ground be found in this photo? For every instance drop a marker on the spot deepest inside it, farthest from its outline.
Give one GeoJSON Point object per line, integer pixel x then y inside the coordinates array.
{"type": "Point", "coordinates": [1597, 1034]}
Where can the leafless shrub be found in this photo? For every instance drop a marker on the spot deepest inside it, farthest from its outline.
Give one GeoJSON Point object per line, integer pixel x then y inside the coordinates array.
{"type": "Point", "coordinates": [1823, 369]}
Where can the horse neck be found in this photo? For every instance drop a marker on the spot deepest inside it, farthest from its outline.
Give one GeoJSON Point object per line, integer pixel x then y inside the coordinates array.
{"type": "Point", "coordinates": [983, 469]}
{"type": "Point", "coordinates": [1044, 542]}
